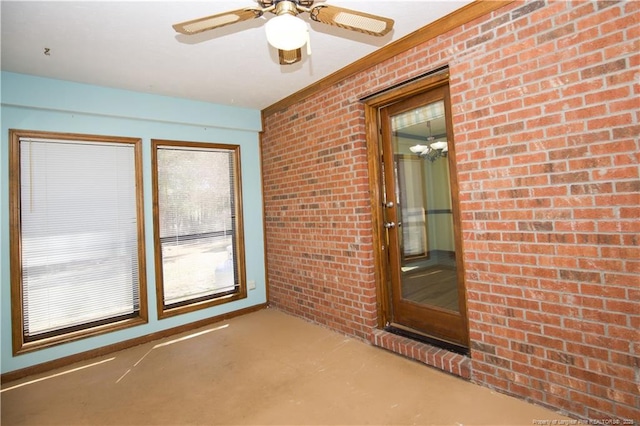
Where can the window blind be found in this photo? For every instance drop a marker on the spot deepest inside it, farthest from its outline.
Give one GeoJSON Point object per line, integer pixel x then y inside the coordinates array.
{"type": "Point", "coordinates": [79, 245]}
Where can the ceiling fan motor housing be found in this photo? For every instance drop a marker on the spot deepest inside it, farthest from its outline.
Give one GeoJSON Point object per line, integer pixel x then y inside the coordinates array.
{"type": "Point", "coordinates": [269, 3]}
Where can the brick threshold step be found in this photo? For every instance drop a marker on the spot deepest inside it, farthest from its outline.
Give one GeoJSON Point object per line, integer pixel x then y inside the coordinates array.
{"type": "Point", "coordinates": [445, 360]}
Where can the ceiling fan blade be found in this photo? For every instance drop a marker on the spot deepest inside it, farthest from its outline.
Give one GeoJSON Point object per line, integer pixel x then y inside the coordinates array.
{"type": "Point", "coordinates": [216, 21]}
{"type": "Point", "coordinates": [352, 20]}
{"type": "Point", "coordinates": [288, 57]}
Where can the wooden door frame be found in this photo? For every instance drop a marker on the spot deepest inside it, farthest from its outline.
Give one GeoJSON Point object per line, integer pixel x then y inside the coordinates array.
{"type": "Point", "coordinates": [374, 154]}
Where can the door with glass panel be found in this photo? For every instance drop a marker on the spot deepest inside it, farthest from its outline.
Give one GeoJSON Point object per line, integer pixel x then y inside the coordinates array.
{"type": "Point", "coordinates": [426, 280]}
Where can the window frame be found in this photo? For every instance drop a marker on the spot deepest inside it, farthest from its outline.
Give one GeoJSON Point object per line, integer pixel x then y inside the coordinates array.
{"type": "Point", "coordinates": [213, 300]}
{"type": "Point", "coordinates": [19, 342]}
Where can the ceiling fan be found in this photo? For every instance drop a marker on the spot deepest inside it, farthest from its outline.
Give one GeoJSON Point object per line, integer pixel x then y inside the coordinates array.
{"type": "Point", "coordinates": [287, 32]}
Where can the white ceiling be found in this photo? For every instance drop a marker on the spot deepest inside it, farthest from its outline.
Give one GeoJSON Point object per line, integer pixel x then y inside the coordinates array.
{"type": "Point", "coordinates": [131, 45]}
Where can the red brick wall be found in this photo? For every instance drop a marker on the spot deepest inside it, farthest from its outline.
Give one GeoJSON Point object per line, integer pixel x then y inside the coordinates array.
{"type": "Point", "coordinates": [546, 125]}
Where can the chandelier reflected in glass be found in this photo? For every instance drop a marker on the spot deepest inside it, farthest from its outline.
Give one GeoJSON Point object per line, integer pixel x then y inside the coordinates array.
{"type": "Point", "coordinates": [433, 149]}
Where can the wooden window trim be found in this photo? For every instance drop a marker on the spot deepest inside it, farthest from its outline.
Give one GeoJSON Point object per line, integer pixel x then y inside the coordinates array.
{"type": "Point", "coordinates": [164, 312]}
{"type": "Point", "coordinates": [15, 245]}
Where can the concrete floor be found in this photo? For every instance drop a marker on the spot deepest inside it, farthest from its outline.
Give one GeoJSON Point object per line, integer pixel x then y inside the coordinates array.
{"type": "Point", "coordinates": [264, 368]}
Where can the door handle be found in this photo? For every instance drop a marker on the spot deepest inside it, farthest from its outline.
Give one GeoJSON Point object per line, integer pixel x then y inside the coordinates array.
{"type": "Point", "coordinates": [389, 225]}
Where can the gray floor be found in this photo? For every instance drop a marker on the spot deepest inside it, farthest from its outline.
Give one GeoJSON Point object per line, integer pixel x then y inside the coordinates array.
{"type": "Point", "coordinates": [264, 368]}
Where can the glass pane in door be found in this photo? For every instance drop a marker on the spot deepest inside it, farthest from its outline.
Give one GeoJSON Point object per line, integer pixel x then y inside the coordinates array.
{"type": "Point", "coordinates": [425, 219]}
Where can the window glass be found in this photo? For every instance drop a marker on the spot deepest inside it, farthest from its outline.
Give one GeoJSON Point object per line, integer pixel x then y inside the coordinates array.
{"type": "Point", "coordinates": [199, 238]}
{"type": "Point", "coordinates": [76, 252]}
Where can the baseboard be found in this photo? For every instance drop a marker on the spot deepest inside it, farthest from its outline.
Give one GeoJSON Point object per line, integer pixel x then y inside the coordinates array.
{"type": "Point", "coordinates": [105, 350]}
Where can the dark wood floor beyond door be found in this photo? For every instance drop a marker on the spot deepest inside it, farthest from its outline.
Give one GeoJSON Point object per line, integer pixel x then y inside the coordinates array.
{"type": "Point", "coordinates": [436, 285]}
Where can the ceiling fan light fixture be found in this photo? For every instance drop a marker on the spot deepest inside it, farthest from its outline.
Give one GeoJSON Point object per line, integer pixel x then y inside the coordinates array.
{"type": "Point", "coordinates": [286, 32]}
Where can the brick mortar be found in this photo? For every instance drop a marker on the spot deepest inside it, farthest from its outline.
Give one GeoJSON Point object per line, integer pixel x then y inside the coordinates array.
{"type": "Point", "coordinates": [544, 103]}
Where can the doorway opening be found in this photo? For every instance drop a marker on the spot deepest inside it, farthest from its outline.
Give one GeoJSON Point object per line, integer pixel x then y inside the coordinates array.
{"type": "Point", "coordinates": [421, 291]}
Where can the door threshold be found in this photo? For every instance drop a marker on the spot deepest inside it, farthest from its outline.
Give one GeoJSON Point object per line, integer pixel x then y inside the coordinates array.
{"type": "Point", "coordinates": [414, 335]}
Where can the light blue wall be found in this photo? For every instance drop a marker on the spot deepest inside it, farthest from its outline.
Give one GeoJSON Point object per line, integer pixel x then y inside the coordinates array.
{"type": "Point", "coordinates": [33, 103]}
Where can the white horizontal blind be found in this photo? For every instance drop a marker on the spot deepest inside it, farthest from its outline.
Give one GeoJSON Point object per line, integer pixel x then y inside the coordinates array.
{"type": "Point", "coordinates": [79, 234]}
{"type": "Point", "coordinates": [197, 223]}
